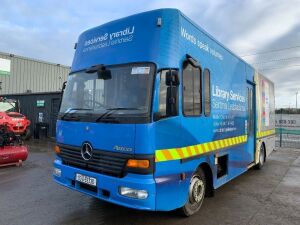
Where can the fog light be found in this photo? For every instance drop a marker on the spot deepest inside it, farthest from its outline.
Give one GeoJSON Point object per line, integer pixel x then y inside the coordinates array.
{"type": "Point", "coordinates": [133, 193]}
{"type": "Point", "coordinates": [57, 172]}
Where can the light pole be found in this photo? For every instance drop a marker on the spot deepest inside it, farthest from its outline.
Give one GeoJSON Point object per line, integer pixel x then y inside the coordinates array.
{"type": "Point", "coordinates": [296, 99]}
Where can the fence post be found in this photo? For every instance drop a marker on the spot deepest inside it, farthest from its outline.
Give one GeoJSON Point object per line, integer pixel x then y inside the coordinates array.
{"type": "Point", "coordinates": [280, 130]}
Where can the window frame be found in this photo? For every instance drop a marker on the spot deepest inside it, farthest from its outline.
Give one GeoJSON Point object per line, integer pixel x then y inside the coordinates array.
{"type": "Point", "coordinates": [182, 94]}
{"type": "Point", "coordinates": [204, 95]}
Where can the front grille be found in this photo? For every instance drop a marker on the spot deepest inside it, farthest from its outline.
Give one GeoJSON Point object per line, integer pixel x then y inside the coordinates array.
{"type": "Point", "coordinates": [108, 163]}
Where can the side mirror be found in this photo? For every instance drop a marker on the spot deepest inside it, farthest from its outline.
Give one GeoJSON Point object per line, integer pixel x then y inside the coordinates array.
{"type": "Point", "coordinates": [64, 86]}
{"type": "Point", "coordinates": [172, 78]}
{"type": "Point", "coordinates": [172, 101]}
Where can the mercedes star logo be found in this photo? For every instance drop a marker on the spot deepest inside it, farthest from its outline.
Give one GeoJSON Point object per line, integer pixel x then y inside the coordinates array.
{"type": "Point", "coordinates": [86, 151]}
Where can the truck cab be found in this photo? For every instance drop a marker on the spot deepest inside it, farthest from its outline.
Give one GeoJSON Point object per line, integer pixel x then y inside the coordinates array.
{"type": "Point", "coordinates": [105, 128]}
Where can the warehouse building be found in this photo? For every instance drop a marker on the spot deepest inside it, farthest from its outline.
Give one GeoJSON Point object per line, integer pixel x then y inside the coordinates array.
{"type": "Point", "coordinates": [37, 85]}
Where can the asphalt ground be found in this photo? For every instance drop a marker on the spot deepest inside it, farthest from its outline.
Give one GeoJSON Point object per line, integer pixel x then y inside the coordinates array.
{"type": "Point", "coordinates": [28, 195]}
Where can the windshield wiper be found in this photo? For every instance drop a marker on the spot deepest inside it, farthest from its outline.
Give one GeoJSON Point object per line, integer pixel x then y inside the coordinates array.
{"type": "Point", "coordinates": [72, 109]}
{"type": "Point", "coordinates": [111, 110]}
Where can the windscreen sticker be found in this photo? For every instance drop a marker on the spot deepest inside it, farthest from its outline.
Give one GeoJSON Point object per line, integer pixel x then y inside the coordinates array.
{"type": "Point", "coordinates": [140, 70]}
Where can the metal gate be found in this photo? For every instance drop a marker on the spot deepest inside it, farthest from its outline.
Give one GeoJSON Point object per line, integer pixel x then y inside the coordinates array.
{"type": "Point", "coordinates": [287, 130]}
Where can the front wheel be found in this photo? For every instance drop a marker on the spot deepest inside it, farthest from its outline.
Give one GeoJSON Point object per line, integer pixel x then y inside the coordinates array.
{"type": "Point", "coordinates": [196, 194]}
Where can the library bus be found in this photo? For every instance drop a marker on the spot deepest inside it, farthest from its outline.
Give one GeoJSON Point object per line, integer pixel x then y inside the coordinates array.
{"type": "Point", "coordinates": [156, 114]}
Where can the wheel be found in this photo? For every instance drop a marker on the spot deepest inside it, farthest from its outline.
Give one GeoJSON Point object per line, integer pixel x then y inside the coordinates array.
{"type": "Point", "coordinates": [196, 194]}
{"type": "Point", "coordinates": [262, 155]}
{"type": "Point", "coordinates": [27, 135]}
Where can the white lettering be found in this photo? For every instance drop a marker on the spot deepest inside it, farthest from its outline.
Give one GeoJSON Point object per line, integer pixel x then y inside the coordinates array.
{"type": "Point", "coordinates": [200, 44]}
{"type": "Point", "coordinates": [125, 35]}
{"type": "Point", "coordinates": [122, 33]}
{"type": "Point", "coordinates": [227, 95]}
{"type": "Point", "coordinates": [188, 36]}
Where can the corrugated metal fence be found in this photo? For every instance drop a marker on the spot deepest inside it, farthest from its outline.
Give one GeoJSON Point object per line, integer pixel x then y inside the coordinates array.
{"type": "Point", "coordinates": [288, 130]}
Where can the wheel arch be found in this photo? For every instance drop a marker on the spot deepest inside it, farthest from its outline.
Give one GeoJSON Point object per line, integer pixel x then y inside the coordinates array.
{"type": "Point", "coordinates": [209, 178]}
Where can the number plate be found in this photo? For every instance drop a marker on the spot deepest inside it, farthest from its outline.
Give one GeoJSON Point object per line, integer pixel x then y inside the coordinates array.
{"type": "Point", "coordinates": [86, 179]}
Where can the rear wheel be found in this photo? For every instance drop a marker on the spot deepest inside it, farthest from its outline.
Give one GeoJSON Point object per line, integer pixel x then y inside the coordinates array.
{"type": "Point", "coordinates": [262, 155]}
{"type": "Point", "coordinates": [196, 194]}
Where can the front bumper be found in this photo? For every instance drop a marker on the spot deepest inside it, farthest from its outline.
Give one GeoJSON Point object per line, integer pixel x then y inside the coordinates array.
{"type": "Point", "coordinates": [108, 187]}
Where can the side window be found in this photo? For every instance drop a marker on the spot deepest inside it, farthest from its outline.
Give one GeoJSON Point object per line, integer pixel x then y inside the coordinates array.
{"type": "Point", "coordinates": [206, 92]}
{"type": "Point", "coordinates": [163, 94]}
{"type": "Point", "coordinates": [191, 90]}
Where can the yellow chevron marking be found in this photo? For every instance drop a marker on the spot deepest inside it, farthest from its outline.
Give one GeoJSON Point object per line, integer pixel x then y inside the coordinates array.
{"type": "Point", "coordinates": [193, 150]}
{"type": "Point", "coordinates": [189, 151]}
{"type": "Point", "coordinates": [174, 154]}
{"type": "Point", "coordinates": [234, 141]}
{"type": "Point", "coordinates": [159, 156]}
{"type": "Point", "coordinates": [185, 153]}
{"type": "Point", "coordinates": [260, 134]}
{"type": "Point", "coordinates": [221, 143]}
{"type": "Point", "coordinates": [206, 148]}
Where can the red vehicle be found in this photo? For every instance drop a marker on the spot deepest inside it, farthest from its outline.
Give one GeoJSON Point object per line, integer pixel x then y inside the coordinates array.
{"type": "Point", "coordinates": [12, 150]}
{"type": "Point", "coordinates": [11, 117]}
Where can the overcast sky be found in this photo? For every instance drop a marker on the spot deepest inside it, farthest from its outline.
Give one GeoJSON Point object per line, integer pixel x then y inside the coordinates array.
{"type": "Point", "coordinates": [47, 30]}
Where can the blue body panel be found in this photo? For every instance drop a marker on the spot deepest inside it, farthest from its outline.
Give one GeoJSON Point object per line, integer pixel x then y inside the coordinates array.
{"type": "Point", "coordinates": [166, 46]}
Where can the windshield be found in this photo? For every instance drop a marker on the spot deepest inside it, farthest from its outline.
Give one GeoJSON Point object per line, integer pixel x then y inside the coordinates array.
{"type": "Point", "coordinates": [7, 107]}
{"type": "Point", "coordinates": [127, 91]}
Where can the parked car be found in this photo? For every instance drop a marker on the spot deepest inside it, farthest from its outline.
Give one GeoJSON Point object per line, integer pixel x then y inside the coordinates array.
{"type": "Point", "coordinates": [11, 117]}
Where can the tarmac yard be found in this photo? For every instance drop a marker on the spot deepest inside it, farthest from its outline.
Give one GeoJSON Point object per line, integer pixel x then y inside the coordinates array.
{"type": "Point", "coordinates": [28, 195]}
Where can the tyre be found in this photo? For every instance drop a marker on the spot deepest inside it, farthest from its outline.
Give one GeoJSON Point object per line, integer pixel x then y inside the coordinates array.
{"type": "Point", "coordinates": [262, 156]}
{"type": "Point", "coordinates": [196, 194]}
{"type": "Point", "coordinates": [27, 135]}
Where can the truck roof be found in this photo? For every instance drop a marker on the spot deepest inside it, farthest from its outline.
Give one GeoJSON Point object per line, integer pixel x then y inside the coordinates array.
{"type": "Point", "coordinates": [136, 18]}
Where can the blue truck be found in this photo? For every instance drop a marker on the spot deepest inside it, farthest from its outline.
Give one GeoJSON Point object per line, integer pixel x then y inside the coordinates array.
{"type": "Point", "coordinates": [156, 114]}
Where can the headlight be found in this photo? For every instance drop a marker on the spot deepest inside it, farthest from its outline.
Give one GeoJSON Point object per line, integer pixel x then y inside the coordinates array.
{"type": "Point", "coordinates": [57, 172]}
{"type": "Point", "coordinates": [133, 193]}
